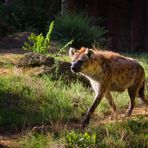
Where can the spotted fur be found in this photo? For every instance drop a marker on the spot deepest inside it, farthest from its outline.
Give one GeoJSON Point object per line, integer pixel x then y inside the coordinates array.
{"type": "Point", "coordinates": [109, 71]}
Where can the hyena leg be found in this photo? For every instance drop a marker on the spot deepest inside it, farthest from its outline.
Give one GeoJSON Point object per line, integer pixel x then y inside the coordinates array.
{"type": "Point", "coordinates": [141, 94]}
{"type": "Point", "coordinates": [111, 103]}
{"type": "Point", "coordinates": [92, 108]}
{"type": "Point", "coordinates": [132, 91]}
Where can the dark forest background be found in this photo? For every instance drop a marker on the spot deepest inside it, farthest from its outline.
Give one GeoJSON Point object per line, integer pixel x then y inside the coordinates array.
{"type": "Point", "coordinates": [125, 20]}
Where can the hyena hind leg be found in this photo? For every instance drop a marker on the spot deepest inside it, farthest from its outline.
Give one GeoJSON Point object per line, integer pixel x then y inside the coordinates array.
{"type": "Point", "coordinates": [141, 94]}
{"type": "Point", "coordinates": [132, 91]}
{"type": "Point", "coordinates": [109, 98]}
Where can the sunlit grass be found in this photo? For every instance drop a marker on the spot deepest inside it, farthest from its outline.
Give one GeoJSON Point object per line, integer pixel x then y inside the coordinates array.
{"type": "Point", "coordinates": [49, 100]}
{"type": "Point", "coordinates": [27, 101]}
{"type": "Point", "coordinates": [128, 133]}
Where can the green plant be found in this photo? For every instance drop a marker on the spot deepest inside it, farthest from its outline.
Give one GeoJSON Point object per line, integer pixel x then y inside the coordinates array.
{"type": "Point", "coordinates": [59, 54]}
{"type": "Point", "coordinates": [48, 100]}
{"type": "Point", "coordinates": [34, 140]}
{"type": "Point", "coordinates": [78, 27]}
{"type": "Point", "coordinates": [27, 101]}
{"type": "Point", "coordinates": [39, 43]}
{"type": "Point", "coordinates": [29, 15]}
{"type": "Point", "coordinates": [82, 140]}
{"type": "Point", "coordinates": [63, 49]}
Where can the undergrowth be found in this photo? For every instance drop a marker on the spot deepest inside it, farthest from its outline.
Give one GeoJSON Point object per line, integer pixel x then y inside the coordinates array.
{"type": "Point", "coordinates": [48, 100]}
{"type": "Point", "coordinates": [26, 102]}
{"type": "Point", "coordinates": [79, 28]}
{"type": "Point", "coordinates": [128, 133]}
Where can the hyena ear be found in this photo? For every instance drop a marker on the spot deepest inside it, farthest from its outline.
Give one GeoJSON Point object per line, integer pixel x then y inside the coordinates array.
{"type": "Point", "coordinates": [71, 51]}
{"type": "Point", "coordinates": [89, 53]}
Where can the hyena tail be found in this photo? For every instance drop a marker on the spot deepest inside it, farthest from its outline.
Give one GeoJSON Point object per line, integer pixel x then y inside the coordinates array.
{"type": "Point", "coordinates": [141, 93]}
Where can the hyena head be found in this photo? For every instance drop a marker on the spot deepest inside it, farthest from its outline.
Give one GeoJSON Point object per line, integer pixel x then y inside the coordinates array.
{"type": "Point", "coordinates": [83, 60]}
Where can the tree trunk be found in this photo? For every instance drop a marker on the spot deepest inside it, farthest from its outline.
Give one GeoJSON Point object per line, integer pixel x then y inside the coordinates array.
{"type": "Point", "coordinates": [146, 26]}
{"type": "Point", "coordinates": [137, 25]}
{"type": "Point", "coordinates": [64, 6]}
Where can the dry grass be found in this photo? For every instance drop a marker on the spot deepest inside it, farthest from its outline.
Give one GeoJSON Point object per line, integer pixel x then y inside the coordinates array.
{"type": "Point", "coordinates": [32, 101]}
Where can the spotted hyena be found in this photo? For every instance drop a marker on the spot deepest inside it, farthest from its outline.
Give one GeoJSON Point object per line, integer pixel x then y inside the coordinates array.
{"type": "Point", "coordinates": [108, 71]}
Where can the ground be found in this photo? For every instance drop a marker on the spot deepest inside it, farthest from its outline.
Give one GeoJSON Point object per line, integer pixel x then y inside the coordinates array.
{"type": "Point", "coordinates": [8, 60]}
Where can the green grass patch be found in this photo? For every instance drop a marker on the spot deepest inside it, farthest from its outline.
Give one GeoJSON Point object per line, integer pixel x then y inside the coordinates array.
{"type": "Point", "coordinates": [35, 140]}
{"type": "Point", "coordinates": [8, 61]}
{"type": "Point", "coordinates": [27, 101]}
{"type": "Point", "coordinates": [142, 58]}
{"type": "Point", "coordinates": [79, 28]}
{"type": "Point", "coordinates": [129, 133]}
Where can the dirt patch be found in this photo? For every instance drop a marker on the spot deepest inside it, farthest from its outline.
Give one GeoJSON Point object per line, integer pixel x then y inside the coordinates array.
{"type": "Point", "coordinates": [9, 140]}
{"type": "Point", "coordinates": [5, 71]}
{"type": "Point", "coordinates": [12, 51]}
{"type": "Point", "coordinates": [139, 111]}
{"type": "Point", "coordinates": [48, 65]}
{"type": "Point", "coordinates": [98, 118]}
{"type": "Point", "coordinates": [34, 59]}
{"type": "Point", "coordinates": [15, 40]}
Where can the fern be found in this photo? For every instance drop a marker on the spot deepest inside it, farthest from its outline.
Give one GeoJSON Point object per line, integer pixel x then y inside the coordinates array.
{"type": "Point", "coordinates": [48, 35]}
{"type": "Point", "coordinates": [39, 43]}
{"type": "Point", "coordinates": [62, 50]}
{"type": "Point", "coordinates": [79, 28]}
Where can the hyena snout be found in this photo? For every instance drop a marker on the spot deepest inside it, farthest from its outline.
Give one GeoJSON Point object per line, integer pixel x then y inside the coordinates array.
{"type": "Point", "coordinates": [76, 66]}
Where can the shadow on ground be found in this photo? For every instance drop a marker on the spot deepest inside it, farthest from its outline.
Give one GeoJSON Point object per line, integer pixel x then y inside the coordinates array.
{"type": "Point", "coordinates": [17, 114]}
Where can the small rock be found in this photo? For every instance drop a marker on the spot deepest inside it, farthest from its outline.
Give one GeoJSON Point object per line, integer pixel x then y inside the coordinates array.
{"type": "Point", "coordinates": [34, 59]}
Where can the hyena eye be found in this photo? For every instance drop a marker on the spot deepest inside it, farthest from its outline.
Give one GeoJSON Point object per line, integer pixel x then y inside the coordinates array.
{"type": "Point", "coordinates": [80, 61]}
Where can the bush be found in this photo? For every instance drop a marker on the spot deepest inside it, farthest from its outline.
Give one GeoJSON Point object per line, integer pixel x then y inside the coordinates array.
{"type": "Point", "coordinates": [29, 15]}
{"type": "Point", "coordinates": [82, 140]}
{"type": "Point", "coordinates": [78, 27]}
{"type": "Point", "coordinates": [111, 135]}
{"type": "Point", "coordinates": [35, 100]}
{"type": "Point", "coordinates": [39, 43]}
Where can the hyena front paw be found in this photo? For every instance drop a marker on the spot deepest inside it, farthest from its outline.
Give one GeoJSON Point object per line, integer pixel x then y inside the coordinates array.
{"type": "Point", "coordinates": [85, 122]}
{"type": "Point", "coordinates": [114, 116]}
{"type": "Point", "coordinates": [127, 114]}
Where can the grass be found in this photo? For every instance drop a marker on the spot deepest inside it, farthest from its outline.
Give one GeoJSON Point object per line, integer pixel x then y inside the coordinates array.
{"type": "Point", "coordinates": [7, 62]}
{"type": "Point", "coordinates": [111, 135]}
{"type": "Point", "coordinates": [36, 140]}
{"type": "Point", "coordinates": [28, 101]}
{"type": "Point", "coordinates": [49, 100]}
{"type": "Point", "coordinates": [129, 133]}
{"type": "Point", "coordinates": [143, 60]}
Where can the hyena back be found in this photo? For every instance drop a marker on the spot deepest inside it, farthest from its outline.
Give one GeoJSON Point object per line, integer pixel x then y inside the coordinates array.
{"type": "Point", "coordinates": [109, 71]}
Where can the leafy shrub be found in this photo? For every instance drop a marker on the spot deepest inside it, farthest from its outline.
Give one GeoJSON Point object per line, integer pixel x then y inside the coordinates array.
{"type": "Point", "coordinates": [78, 27]}
{"type": "Point", "coordinates": [39, 43]}
{"type": "Point", "coordinates": [82, 140]}
{"type": "Point", "coordinates": [40, 100]}
{"type": "Point", "coordinates": [130, 133]}
{"type": "Point", "coordinates": [35, 140]}
{"type": "Point", "coordinates": [29, 15]}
